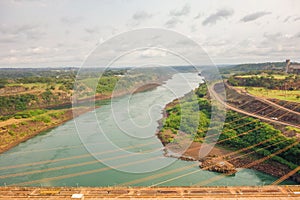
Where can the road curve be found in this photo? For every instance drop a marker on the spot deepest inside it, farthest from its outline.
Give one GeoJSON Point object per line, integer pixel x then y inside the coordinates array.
{"type": "Point", "coordinates": [217, 97]}
{"type": "Point", "coordinates": [266, 101]}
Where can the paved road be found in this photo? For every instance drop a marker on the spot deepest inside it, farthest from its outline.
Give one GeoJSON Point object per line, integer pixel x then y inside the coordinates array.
{"type": "Point", "coordinates": [266, 101]}
{"type": "Point", "coordinates": [217, 97]}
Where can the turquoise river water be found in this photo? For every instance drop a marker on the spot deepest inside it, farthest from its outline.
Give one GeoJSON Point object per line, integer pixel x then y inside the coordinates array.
{"type": "Point", "coordinates": [121, 148]}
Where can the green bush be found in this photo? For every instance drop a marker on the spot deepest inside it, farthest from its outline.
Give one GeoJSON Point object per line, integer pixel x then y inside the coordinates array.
{"type": "Point", "coordinates": [10, 104]}
{"type": "Point", "coordinates": [6, 117]}
{"type": "Point", "coordinates": [12, 133]}
{"type": "Point", "coordinates": [29, 113]}
{"type": "Point", "coordinates": [56, 114]}
{"type": "Point", "coordinates": [24, 123]}
{"type": "Point", "coordinates": [191, 115]}
{"type": "Point", "coordinates": [42, 118]}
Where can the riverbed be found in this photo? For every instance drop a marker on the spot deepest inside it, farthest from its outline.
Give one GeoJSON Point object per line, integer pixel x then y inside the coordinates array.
{"type": "Point", "coordinates": [115, 145]}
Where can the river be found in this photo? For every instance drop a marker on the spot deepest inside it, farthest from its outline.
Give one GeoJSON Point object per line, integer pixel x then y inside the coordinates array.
{"type": "Point", "coordinates": [121, 148]}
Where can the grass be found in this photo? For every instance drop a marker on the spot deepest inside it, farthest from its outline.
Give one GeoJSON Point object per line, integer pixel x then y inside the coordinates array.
{"type": "Point", "coordinates": [276, 76]}
{"type": "Point", "coordinates": [56, 114]}
{"type": "Point", "coordinates": [42, 118]}
{"type": "Point", "coordinates": [34, 87]}
{"type": "Point", "coordinates": [29, 113]}
{"type": "Point", "coordinates": [16, 130]}
{"type": "Point", "coordinates": [286, 95]}
{"type": "Point", "coordinates": [290, 128]}
{"type": "Point", "coordinates": [29, 85]}
{"type": "Point", "coordinates": [90, 82]}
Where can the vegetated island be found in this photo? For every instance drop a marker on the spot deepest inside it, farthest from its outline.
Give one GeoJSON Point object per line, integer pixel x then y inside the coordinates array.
{"type": "Point", "coordinates": [245, 142]}
{"type": "Point", "coordinates": [35, 102]}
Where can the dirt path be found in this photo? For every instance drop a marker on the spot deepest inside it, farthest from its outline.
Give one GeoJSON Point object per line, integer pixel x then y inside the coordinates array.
{"type": "Point", "coordinates": [12, 121]}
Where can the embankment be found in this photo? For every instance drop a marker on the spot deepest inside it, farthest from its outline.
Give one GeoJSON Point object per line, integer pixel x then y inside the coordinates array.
{"type": "Point", "coordinates": [15, 131]}
{"type": "Point", "coordinates": [243, 159]}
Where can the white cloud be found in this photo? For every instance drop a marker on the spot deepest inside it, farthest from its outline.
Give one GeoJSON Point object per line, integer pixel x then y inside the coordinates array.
{"type": "Point", "coordinates": [220, 14]}
{"type": "Point", "coordinates": [39, 50]}
{"type": "Point", "coordinates": [141, 15]}
{"type": "Point", "coordinates": [185, 10]}
{"type": "Point", "coordinates": [70, 20]}
{"type": "Point", "coordinates": [17, 29]}
{"type": "Point", "coordinates": [287, 19]}
{"type": "Point", "coordinates": [53, 33]}
{"type": "Point", "coordinates": [198, 15]}
{"type": "Point", "coordinates": [13, 51]}
{"type": "Point", "coordinates": [149, 53]}
{"type": "Point", "coordinates": [171, 23]}
{"type": "Point", "coordinates": [296, 19]}
{"type": "Point", "coordinates": [92, 30]}
{"type": "Point", "coordinates": [16, 33]}
{"type": "Point", "coordinates": [254, 16]}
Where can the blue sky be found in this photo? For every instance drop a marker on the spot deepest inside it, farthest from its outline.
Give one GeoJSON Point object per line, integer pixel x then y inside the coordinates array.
{"type": "Point", "coordinates": [54, 33]}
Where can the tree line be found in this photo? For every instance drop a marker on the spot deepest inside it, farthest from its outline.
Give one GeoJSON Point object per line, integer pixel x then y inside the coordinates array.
{"type": "Point", "coordinates": [291, 82]}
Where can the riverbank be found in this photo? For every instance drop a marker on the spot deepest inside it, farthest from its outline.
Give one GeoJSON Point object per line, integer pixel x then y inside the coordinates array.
{"type": "Point", "coordinates": [185, 148]}
{"type": "Point", "coordinates": [22, 130]}
{"type": "Point", "coordinates": [16, 131]}
{"type": "Point", "coordinates": [47, 159]}
{"type": "Point", "coordinates": [238, 160]}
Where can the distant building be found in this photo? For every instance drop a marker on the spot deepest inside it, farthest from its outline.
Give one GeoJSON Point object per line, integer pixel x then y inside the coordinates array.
{"type": "Point", "coordinates": [292, 67]}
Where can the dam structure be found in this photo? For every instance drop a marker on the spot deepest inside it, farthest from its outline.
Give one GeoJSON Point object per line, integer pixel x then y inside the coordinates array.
{"type": "Point", "coordinates": [222, 192]}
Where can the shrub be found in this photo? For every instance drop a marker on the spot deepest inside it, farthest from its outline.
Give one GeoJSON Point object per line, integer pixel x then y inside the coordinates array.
{"type": "Point", "coordinates": [43, 118]}
{"type": "Point", "coordinates": [29, 113]}
{"type": "Point", "coordinates": [12, 133]}
{"type": "Point", "coordinates": [24, 123]}
{"type": "Point", "coordinates": [56, 114]}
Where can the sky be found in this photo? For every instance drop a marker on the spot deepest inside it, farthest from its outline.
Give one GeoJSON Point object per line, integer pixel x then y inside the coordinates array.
{"type": "Point", "coordinates": [63, 33]}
